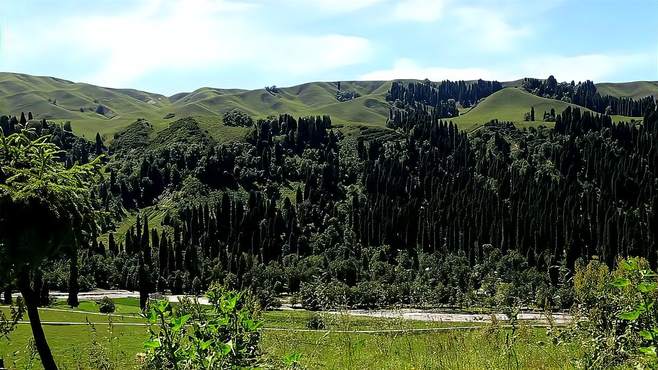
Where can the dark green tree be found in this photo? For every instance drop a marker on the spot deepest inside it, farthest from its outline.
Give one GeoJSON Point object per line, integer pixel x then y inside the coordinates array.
{"type": "Point", "coordinates": [42, 203]}
{"type": "Point", "coordinates": [99, 144]}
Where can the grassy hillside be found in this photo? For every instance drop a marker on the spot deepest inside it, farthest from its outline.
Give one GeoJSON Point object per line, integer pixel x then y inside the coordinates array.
{"type": "Point", "coordinates": [635, 89]}
{"type": "Point", "coordinates": [511, 104]}
{"type": "Point", "coordinates": [508, 104]}
{"type": "Point", "coordinates": [61, 100]}
{"type": "Point", "coordinates": [306, 99]}
{"type": "Point", "coordinates": [57, 99]}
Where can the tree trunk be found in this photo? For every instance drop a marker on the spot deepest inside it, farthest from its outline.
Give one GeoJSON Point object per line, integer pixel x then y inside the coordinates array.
{"type": "Point", "coordinates": [7, 295]}
{"type": "Point", "coordinates": [74, 287]}
{"type": "Point", "coordinates": [31, 302]}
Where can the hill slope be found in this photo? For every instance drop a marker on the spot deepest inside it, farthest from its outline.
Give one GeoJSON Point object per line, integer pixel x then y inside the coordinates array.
{"type": "Point", "coordinates": [57, 99]}
{"type": "Point", "coordinates": [636, 89]}
{"type": "Point", "coordinates": [93, 109]}
{"type": "Point", "coordinates": [509, 104]}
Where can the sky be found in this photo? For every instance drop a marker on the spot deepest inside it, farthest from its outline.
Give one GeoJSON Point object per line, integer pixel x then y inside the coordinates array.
{"type": "Point", "coordinates": [170, 46]}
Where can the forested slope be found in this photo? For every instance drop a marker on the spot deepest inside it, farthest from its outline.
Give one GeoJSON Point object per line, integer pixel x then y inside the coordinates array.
{"type": "Point", "coordinates": [426, 215]}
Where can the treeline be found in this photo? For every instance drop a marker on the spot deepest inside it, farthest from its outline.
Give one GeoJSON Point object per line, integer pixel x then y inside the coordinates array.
{"type": "Point", "coordinates": [75, 149]}
{"type": "Point", "coordinates": [586, 95]}
{"type": "Point", "coordinates": [434, 94]}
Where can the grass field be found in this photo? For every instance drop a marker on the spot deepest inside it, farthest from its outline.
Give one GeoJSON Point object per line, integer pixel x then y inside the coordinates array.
{"type": "Point", "coordinates": [491, 347]}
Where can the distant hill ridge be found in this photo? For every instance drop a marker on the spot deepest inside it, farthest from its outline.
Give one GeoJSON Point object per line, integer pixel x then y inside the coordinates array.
{"type": "Point", "coordinates": [94, 109]}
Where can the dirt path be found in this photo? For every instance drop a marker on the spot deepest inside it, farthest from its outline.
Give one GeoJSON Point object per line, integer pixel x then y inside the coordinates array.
{"type": "Point", "coordinates": [436, 316]}
{"type": "Point", "coordinates": [404, 313]}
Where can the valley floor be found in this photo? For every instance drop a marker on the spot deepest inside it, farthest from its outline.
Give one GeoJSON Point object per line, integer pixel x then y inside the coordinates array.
{"type": "Point", "coordinates": [349, 341]}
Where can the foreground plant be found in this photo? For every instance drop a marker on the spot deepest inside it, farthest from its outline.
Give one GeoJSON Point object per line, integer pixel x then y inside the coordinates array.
{"type": "Point", "coordinates": [8, 322]}
{"type": "Point", "coordinates": [44, 208]}
{"type": "Point", "coordinates": [223, 336]}
{"type": "Point", "coordinates": [616, 315]}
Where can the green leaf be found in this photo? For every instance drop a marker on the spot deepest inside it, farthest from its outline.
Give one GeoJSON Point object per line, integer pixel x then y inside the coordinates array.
{"type": "Point", "coordinates": [205, 345]}
{"type": "Point", "coordinates": [646, 334]}
{"type": "Point", "coordinates": [648, 351]}
{"type": "Point", "coordinates": [177, 323]}
{"type": "Point", "coordinates": [225, 349]}
{"type": "Point", "coordinates": [163, 306]}
{"type": "Point", "coordinates": [630, 315]}
{"type": "Point", "coordinates": [621, 282]}
{"type": "Point", "coordinates": [152, 344]}
{"type": "Point", "coordinates": [629, 265]}
{"type": "Point", "coordinates": [292, 358]}
{"type": "Point", "coordinates": [153, 318]}
{"type": "Point", "coordinates": [646, 287]}
{"type": "Point", "coordinates": [185, 318]}
{"type": "Point", "coordinates": [229, 304]}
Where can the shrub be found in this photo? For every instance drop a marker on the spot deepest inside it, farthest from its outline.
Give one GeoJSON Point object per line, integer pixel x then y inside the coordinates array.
{"type": "Point", "coordinates": [237, 118]}
{"type": "Point", "coordinates": [106, 305]}
{"type": "Point", "coordinates": [346, 95]}
{"type": "Point", "coordinates": [225, 336]}
{"type": "Point", "coordinates": [316, 322]}
{"type": "Point", "coordinates": [617, 320]}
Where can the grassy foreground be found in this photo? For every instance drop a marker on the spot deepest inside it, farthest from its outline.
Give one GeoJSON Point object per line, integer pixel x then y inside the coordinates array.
{"type": "Point", "coordinates": [492, 347]}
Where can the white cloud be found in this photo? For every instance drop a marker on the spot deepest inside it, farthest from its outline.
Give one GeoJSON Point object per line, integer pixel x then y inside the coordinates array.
{"type": "Point", "coordinates": [489, 29]}
{"type": "Point", "coordinates": [159, 36]}
{"type": "Point", "coordinates": [419, 10]}
{"type": "Point", "coordinates": [305, 54]}
{"type": "Point", "coordinates": [408, 69]}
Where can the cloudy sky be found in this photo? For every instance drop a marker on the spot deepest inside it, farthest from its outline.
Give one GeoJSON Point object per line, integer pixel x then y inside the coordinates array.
{"type": "Point", "coordinates": [169, 46]}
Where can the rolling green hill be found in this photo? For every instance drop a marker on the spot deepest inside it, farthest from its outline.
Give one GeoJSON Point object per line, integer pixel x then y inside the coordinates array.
{"type": "Point", "coordinates": [509, 104]}
{"type": "Point", "coordinates": [93, 109]}
{"type": "Point", "coordinates": [57, 99]}
{"type": "Point", "coordinates": [635, 89]}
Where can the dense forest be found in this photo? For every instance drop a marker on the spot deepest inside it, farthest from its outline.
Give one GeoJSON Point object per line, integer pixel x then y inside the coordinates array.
{"type": "Point", "coordinates": [440, 100]}
{"type": "Point", "coordinates": [435, 216]}
{"type": "Point", "coordinates": [585, 94]}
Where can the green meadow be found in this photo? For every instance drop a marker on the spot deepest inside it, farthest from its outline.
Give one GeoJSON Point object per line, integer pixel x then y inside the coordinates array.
{"type": "Point", "coordinates": [394, 344]}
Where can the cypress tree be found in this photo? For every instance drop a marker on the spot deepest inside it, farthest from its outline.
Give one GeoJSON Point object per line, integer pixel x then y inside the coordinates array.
{"type": "Point", "coordinates": [112, 246]}
{"type": "Point", "coordinates": [143, 284]}
{"type": "Point", "coordinates": [99, 144]}
{"type": "Point", "coordinates": [145, 245]}
{"type": "Point", "coordinates": [163, 256]}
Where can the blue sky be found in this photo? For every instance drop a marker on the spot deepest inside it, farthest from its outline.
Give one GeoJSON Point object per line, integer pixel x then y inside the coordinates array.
{"type": "Point", "coordinates": [172, 46]}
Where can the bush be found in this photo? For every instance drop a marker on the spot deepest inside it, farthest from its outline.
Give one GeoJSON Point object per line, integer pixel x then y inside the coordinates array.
{"type": "Point", "coordinates": [346, 95]}
{"type": "Point", "coordinates": [616, 318]}
{"type": "Point", "coordinates": [106, 305]}
{"type": "Point", "coordinates": [316, 322]}
{"type": "Point", "coordinates": [226, 336]}
{"type": "Point", "coordinates": [237, 118]}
